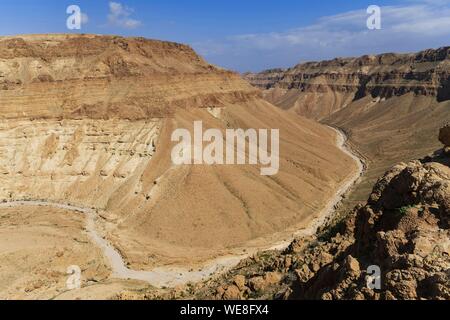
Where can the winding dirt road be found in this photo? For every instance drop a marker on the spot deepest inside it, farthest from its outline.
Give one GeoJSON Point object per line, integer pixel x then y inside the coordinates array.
{"type": "Point", "coordinates": [173, 276]}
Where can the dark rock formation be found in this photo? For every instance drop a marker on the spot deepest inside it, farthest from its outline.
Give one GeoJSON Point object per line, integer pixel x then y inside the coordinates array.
{"type": "Point", "coordinates": [385, 75]}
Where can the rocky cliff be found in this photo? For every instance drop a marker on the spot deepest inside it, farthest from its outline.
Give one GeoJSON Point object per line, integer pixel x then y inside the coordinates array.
{"type": "Point", "coordinates": [403, 230]}
{"type": "Point", "coordinates": [318, 89]}
{"type": "Point", "coordinates": [107, 77]}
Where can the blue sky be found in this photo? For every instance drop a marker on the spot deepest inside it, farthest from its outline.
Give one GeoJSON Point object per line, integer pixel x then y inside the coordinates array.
{"type": "Point", "coordinates": [248, 34]}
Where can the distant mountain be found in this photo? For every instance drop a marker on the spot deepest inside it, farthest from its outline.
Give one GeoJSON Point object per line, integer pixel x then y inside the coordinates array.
{"type": "Point", "coordinates": [388, 104]}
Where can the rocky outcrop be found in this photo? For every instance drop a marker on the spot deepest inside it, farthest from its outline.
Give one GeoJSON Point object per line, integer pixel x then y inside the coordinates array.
{"type": "Point", "coordinates": [317, 89]}
{"type": "Point", "coordinates": [404, 231]}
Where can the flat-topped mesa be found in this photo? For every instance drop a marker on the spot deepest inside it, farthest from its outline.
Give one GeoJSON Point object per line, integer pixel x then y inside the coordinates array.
{"type": "Point", "coordinates": [425, 73]}
{"type": "Point", "coordinates": [79, 76]}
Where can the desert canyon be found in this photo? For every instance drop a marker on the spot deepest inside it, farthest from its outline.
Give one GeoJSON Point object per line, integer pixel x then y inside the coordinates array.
{"type": "Point", "coordinates": [87, 178]}
{"type": "Point", "coordinates": [391, 105]}
{"type": "Point", "coordinates": [86, 122]}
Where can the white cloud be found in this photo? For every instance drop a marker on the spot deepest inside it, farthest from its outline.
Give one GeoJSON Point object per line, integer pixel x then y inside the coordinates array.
{"type": "Point", "coordinates": [120, 16]}
{"type": "Point", "coordinates": [84, 18]}
{"type": "Point", "coordinates": [415, 25]}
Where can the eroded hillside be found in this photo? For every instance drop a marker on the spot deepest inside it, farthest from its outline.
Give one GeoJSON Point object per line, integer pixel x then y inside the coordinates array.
{"type": "Point", "coordinates": [386, 103]}
{"type": "Point", "coordinates": [402, 231]}
{"type": "Point", "coordinates": [87, 120]}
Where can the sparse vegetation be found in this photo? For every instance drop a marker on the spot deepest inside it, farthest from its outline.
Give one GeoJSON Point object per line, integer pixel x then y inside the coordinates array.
{"type": "Point", "coordinates": [401, 212]}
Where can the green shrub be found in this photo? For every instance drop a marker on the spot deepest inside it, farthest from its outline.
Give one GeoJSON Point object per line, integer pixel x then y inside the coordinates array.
{"type": "Point", "coordinates": [401, 212]}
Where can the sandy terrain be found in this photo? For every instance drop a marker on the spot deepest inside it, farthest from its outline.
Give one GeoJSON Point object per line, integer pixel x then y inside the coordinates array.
{"type": "Point", "coordinates": [37, 245]}
{"type": "Point", "coordinates": [161, 276]}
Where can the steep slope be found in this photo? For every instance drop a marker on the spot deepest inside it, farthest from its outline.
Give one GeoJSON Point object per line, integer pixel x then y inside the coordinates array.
{"type": "Point", "coordinates": [403, 229]}
{"type": "Point", "coordinates": [87, 120]}
{"type": "Point", "coordinates": [385, 103]}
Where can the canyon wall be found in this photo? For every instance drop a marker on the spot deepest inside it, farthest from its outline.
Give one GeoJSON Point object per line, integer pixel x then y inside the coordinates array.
{"type": "Point", "coordinates": [105, 77]}
{"type": "Point", "coordinates": [402, 232]}
{"type": "Point", "coordinates": [388, 104]}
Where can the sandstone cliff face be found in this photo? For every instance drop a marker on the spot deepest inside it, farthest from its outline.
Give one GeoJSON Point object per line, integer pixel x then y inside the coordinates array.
{"type": "Point", "coordinates": [107, 77]}
{"type": "Point", "coordinates": [318, 89]}
{"type": "Point", "coordinates": [404, 230]}
{"type": "Point", "coordinates": [88, 120]}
